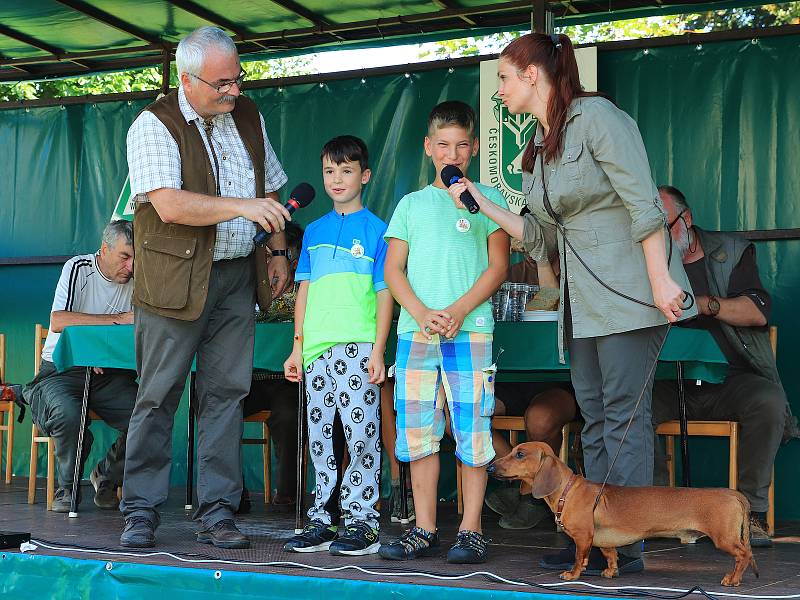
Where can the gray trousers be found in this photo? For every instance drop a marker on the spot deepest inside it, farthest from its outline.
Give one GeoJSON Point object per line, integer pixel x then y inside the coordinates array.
{"type": "Point", "coordinates": [754, 401]}
{"type": "Point", "coordinates": [55, 400]}
{"type": "Point", "coordinates": [222, 337]}
{"type": "Point", "coordinates": [608, 374]}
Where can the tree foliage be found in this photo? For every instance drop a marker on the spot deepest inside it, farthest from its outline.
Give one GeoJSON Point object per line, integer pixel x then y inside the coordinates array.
{"type": "Point", "coordinates": [150, 78]}
{"type": "Point", "coordinates": [767, 15]}
{"type": "Point", "coordinates": [138, 80]}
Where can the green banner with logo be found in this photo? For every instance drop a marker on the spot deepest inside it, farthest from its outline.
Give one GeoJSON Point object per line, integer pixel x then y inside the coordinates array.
{"type": "Point", "coordinates": [504, 136]}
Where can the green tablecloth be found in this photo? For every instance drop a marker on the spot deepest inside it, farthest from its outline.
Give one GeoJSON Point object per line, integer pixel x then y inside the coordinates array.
{"type": "Point", "coordinates": [528, 347]}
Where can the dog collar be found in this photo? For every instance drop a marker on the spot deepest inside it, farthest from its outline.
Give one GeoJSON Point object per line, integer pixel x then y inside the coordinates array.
{"type": "Point", "coordinates": [562, 499]}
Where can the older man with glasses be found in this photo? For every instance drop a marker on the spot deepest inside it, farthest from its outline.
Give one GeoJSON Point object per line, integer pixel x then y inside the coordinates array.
{"type": "Point", "coordinates": [735, 308]}
{"type": "Point", "coordinates": [204, 175]}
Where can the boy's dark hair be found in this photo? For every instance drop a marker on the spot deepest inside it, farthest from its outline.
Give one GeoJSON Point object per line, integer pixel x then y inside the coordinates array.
{"type": "Point", "coordinates": [450, 113]}
{"type": "Point", "coordinates": [346, 148]}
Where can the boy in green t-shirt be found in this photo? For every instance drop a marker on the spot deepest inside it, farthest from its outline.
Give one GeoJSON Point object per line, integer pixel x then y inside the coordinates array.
{"type": "Point", "coordinates": [442, 266]}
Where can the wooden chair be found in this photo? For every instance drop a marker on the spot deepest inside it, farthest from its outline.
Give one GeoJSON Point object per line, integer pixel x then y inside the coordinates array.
{"type": "Point", "coordinates": [264, 440]}
{"type": "Point", "coordinates": [37, 437]}
{"type": "Point", "coordinates": [729, 429]}
{"type": "Point", "coordinates": [6, 408]}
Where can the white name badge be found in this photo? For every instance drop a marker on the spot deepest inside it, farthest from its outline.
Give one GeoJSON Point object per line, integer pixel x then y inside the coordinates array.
{"type": "Point", "coordinates": [357, 250]}
{"type": "Point", "coordinates": [463, 225]}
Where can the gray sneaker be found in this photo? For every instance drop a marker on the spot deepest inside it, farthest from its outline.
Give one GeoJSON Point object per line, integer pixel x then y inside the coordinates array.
{"type": "Point", "coordinates": [504, 500]}
{"type": "Point", "coordinates": [394, 502]}
{"type": "Point", "coordinates": [759, 538]}
{"type": "Point", "coordinates": [105, 492]}
{"type": "Point", "coordinates": [62, 500]}
{"type": "Point", "coordinates": [528, 514]}
{"type": "Point", "coordinates": [139, 532]}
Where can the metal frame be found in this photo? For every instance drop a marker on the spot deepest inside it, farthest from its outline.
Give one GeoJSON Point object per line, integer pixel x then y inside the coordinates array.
{"type": "Point", "coordinates": [676, 40]}
{"type": "Point", "coordinates": [449, 17]}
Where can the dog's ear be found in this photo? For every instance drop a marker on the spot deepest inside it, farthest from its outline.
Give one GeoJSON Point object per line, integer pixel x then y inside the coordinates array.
{"type": "Point", "coordinates": [524, 488]}
{"type": "Point", "coordinates": [547, 478]}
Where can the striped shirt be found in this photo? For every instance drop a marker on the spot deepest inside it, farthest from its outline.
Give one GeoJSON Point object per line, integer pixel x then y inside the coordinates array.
{"type": "Point", "coordinates": [154, 162]}
{"type": "Point", "coordinates": [83, 288]}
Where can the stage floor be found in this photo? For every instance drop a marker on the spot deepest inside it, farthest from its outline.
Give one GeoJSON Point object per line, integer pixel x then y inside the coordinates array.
{"type": "Point", "coordinates": [513, 555]}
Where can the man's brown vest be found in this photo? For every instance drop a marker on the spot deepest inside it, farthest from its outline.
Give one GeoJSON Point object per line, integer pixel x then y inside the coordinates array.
{"type": "Point", "coordinates": [173, 262]}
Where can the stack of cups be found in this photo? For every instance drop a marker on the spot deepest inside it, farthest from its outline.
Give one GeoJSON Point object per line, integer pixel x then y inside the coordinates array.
{"type": "Point", "coordinates": [500, 303]}
{"type": "Point", "coordinates": [509, 302]}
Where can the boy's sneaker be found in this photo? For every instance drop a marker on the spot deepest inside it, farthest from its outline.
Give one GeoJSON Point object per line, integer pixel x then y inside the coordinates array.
{"type": "Point", "coordinates": [414, 543]}
{"type": "Point", "coordinates": [470, 548]}
{"type": "Point", "coordinates": [316, 537]}
{"type": "Point", "coordinates": [394, 502]}
{"type": "Point", "coordinates": [358, 539]}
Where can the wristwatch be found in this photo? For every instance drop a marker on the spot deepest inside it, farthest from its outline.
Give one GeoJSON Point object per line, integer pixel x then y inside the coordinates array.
{"type": "Point", "coordinates": [278, 253]}
{"type": "Point", "coordinates": [713, 306]}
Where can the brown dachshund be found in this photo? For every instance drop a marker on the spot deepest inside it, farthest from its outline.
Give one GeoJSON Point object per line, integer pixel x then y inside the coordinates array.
{"type": "Point", "coordinates": [625, 515]}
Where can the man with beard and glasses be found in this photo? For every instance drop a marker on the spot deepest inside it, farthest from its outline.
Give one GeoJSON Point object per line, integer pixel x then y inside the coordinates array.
{"type": "Point", "coordinates": [204, 175]}
{"type": "Point", "coordinates": [735, 308]}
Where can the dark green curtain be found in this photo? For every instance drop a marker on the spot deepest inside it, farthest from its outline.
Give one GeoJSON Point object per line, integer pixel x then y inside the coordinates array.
{"type": "Point", "coordinates": [720, 122]}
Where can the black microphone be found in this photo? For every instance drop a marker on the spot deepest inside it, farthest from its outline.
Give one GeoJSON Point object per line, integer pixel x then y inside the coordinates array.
{"type": "Point", "coordinates": [301, 196]}
{"type": "Point", "coordinates": [450, 175]}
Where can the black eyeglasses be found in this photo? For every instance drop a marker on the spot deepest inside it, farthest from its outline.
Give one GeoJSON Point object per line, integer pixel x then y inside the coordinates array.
{"type": "Point", "coordinates": [675, 220]}
{"type": "Point", "coordinates": [225, 86]}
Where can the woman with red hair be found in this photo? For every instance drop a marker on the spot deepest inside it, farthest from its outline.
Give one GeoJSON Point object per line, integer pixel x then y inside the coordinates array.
{"type": "Point", "coordinates": [592, 199]}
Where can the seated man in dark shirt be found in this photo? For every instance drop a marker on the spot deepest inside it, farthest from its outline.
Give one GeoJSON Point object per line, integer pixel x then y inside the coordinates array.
{"type": "Point", "coordinates": [734, 307]}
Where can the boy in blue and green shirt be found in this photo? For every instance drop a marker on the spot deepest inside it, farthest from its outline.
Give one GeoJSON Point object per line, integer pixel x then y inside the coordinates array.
{"type": "Point", "coordinates": [343, 313]}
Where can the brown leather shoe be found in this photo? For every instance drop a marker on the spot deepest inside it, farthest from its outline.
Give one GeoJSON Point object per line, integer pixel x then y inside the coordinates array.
{"type": "Point", "coordinates": [224, 534]}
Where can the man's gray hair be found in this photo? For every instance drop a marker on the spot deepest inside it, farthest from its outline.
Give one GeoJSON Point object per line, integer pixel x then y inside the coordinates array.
{"type": "Point", "coordinates": [681, 204]}
{"type": "Point", "coordinates": [115, 230]}
{"type": "Point", "coordinates": [193, 49]}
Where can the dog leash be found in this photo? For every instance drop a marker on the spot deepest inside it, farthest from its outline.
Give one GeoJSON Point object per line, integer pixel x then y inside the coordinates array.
{"type": "Point", "coordinates": [633, 414]}
{"type": "Point", "coordinates": [563, 499]}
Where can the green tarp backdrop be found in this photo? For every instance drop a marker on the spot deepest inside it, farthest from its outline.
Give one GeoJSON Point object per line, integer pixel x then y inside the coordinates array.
{"type": "Point", "coordinates": [721, 122]}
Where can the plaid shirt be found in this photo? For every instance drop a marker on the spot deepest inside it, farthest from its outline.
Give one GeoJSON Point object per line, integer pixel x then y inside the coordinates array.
{"type": "Point", "coordinates": [154, 162]}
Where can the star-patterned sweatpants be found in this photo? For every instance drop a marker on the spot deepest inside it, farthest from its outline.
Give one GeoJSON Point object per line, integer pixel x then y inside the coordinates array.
{"type": "Point", "coordinates": [338, 381]}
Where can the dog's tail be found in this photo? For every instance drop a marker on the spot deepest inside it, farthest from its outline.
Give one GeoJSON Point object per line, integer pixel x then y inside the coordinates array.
{"type": "Point", "coordinates": [745, 530]}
